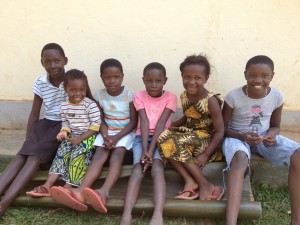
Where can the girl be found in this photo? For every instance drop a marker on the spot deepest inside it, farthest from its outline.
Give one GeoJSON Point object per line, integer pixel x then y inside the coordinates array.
{"type": "Point", "coordinates": [119, 120]}
{"type": "Point", "coordinates": [154, 106]}
{"type": "Point", "coordinates": [40, 145]}
{"type": "Point", "coordinates": [191, 143]}
{"type": "Point", "coordinates": [80, 120]}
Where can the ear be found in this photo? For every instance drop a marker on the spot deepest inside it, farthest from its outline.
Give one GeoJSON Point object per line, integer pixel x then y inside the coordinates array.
{"type": "Point", "coordinates": [42, 62]}
{"type": "Point", "coordinates": [166, 78]}
{"type": "Point", "coordinates": [143, 79]}
{"type": "Point", "coordinates": [245, 72]}
{"type": "Point", "coordinates": [66, 60]}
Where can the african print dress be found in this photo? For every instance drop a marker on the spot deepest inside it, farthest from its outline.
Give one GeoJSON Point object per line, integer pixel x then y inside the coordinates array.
{"type": "Point", "coordinates": [184, 143]}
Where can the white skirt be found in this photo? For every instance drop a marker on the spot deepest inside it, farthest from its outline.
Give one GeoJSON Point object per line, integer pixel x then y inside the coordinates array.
{"type": "Point", "coordinates": [126, 141]}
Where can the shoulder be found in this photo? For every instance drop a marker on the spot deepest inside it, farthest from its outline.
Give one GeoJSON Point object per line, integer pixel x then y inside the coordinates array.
{"type": "Point", "coordinates": [217, 98]}
{"type": "Point", "coordinates": [170, 95]}
{"type": "Point", "coordinates": [42, 78]}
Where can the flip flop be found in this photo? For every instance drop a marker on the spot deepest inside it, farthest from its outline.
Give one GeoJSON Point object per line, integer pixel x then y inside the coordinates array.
{"type": "Point", "coordinates": [192, 195]}
{"type": "Point", "coordinates": [39, 191]}
{"type": "Point", "coordinates": [217, 194]}
{"type": "Point", "coordinates": [66, 197]}
{"type": "Point", "coordinates": [94, 199]}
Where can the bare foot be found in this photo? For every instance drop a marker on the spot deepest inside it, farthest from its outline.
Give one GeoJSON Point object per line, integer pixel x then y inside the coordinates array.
{"type": "Point", "coordinates": [206, 192]}
{"type": "Point", "coordinates": [103, 195]}
{"type": "Point", "coordinates": [78, 194]}
{"type": "Point", "coordinates": [125, 220]}
{"type": "Point", "coordinates": [2, 210]}
{"type": "Point", "coordinates": [192, 185]}
{"type": "Point", "coordinates": [156, 220]}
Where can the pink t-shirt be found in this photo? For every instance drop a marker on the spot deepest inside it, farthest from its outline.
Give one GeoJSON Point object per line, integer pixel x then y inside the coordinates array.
{"type": "Point", "coordinates": [154, 107]}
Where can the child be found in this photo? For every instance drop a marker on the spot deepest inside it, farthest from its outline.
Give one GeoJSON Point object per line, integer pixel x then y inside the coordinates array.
{"type": "Point", "coordinates": [252, 115]}
{"type": "Point", "coordinates": [80, 120]}
{"type": "Point", "coordinates": [120, 119]}
{"type": "Point", "coordinates": [193, 139]}
{"type": "Point", "coordinates": [154, 106]}
{"type": "Point", "coordinates": [40, 145]}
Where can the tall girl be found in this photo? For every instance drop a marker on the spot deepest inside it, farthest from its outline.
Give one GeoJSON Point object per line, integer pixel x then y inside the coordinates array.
{"type": "Point", "coordinates": [193, 139]}
{"type": "Point", "coordinates": [119, 119]}
{"type": "Point", "coordinates": [154, 106]}
{"type": "Point", "coordinates": [80, 123]}
{"type": "Point", "coordinates": [41, 144]}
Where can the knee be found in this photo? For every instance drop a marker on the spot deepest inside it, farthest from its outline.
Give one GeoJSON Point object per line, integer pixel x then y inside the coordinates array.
{"type": "Point", "coordinates": [117, 156]}
{"type": "Point", "coordinates": [137, 172]}
{"type": "Point", "coordinates": [295, 159]}
{"type": "Point", "coordinates": [157, 168]}
{"type": "Point", "coordinates": [239, 161]}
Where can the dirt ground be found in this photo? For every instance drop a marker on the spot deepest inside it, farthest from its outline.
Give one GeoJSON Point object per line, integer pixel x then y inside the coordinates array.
{"type": "Point", "coordinates": [12, 140]}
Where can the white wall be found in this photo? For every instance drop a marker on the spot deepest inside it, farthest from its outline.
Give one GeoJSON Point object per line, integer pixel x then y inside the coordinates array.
{"type": "Point", "coordinates": [138, 32]}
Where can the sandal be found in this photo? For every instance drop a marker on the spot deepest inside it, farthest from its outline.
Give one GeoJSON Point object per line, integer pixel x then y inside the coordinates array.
{"type": "Point", "coordinates": [39, 191]}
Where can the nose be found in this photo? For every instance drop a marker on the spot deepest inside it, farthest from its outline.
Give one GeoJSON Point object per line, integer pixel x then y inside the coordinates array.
{"type": "Point", "coordinates": [154, 84]}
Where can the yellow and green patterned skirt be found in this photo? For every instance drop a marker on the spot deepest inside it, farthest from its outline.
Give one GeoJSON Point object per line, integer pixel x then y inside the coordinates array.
{"type": "Point", "coordinates": [71, 161]}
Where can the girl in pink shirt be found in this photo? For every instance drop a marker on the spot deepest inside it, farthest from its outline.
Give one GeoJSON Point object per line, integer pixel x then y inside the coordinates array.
{"type": "Point", "coordinates": [154, 107]}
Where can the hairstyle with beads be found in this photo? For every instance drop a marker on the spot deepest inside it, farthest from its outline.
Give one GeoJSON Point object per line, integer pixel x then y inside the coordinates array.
{"type": "Point", "coordinates": [53, 46]}
{"type": "Point", "coordinates": [155, 65]}
{"type": "Point", "coordinates": [196, 60]}
{"type": "Point", "coordinates": [260, 59]}
{"type": "Point", "coordinates": [110, 63]}
{"type": "Point", "coordinates": [75, 74]}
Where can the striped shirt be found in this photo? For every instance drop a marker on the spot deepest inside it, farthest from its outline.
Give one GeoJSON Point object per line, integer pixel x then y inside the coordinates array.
{"type": "Point", "coordinates": [52, 96]}
{"type": "Point", "coordinates": [78, 118]}
{"type": "Point", "coordinates": [115, 108]}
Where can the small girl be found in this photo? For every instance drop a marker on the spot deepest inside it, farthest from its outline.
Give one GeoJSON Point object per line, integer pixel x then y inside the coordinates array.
{"type": "Point", "coordinates": [41, 144]}
{"type": "Point", "coordinates": [154, 106]}
{"type": "Point", "coordinates": [80, 122]}
{"type": "Point", "coordinates": [193, 139]}
{"type": "Point", "coordinates": [119, 119]}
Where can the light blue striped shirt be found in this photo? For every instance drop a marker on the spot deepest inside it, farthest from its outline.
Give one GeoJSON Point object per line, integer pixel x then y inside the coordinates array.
{"type": "Point", "coordinates": [52, 96]}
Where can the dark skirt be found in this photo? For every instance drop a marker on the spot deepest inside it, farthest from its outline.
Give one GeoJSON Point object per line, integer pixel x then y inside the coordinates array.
{"type": "Point", "coordinates": [42, 141]}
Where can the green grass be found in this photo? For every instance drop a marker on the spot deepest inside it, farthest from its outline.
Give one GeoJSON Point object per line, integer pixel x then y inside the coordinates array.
{"type": "Point", "coordinates": [275, 204]}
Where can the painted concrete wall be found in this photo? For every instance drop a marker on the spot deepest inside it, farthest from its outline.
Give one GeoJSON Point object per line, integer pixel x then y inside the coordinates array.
{"type": "Point", "coordinates": [138, 32]}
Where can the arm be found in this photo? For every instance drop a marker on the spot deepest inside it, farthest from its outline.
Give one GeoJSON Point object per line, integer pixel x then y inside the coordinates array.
{"type": "Point", "coordinates": [249, 137]}
{"type": "Point", "coordinates": [217, 120]}
{"type": "Point", "coordinates": [34, 114]}
{"type": "Point", "coordinates": [270, 138]}
{"type": "Point", "coordinates": [180, 122]}
{"type": "Point", "coordinates": [144, 127]}
{"type": "Point", "coordinates": [128, 128]}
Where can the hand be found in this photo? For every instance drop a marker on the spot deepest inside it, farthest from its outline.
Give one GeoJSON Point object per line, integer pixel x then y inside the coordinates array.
{"type": "Point", "coordinates": [146, 160]}
{"type": "Point", "coordinates": [252, 138]}
{"type": "Point", "coordinates": [201, 159]}
{"type": "Point", "coordinates": [76, 140]}
{"type": "Point", "coordinates": [62, 135]}
{"type": "Point", "coordinates": [110, 142]}
{"type": "Point", "coordinates": [269, 140]}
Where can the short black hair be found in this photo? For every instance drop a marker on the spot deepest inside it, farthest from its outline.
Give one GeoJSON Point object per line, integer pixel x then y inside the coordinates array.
{"type": "Point", "coordinates": [110, 63]}
{"type": "Point", "coordinates": [53, 46]}
{"type": "Point", "coordinates": [260, 59]}
{"type": "Point", "coordinates": [155, 65]}
{"type": "Point", "coordinates": [196, 60]}
{"type": "Point", "coordinates": [75, 74]}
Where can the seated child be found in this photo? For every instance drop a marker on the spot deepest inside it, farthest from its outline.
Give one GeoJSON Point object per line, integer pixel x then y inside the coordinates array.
{"type": "Point", "coordinates": [192, 141]}
{"type": "Point", "coordinates": [154, 106]}
{"type": "Point", "coordinates": [119, 119]}
{"type": "Point", "coordinates": [40, 145]}
{"type": "Point", "coordinates": [80, 123]}
{"type": "Point", "coordinates": [252, 115]}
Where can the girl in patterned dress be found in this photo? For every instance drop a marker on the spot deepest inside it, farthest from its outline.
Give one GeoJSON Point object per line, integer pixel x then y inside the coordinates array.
{"type": "Point", "coordinates": [191, 142]}
{"type": "Point", "coordinates": [80, 123]}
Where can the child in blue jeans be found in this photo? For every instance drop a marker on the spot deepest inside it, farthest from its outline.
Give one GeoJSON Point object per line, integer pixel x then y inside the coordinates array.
{"type": "Point", "coordinates": [154, 106]}
{"type": "Point", "coordinates": [252, 115]}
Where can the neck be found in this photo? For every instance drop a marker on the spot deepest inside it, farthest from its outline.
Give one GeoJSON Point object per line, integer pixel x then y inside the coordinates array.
{"type": "Point", "coordinates": [258, 96]}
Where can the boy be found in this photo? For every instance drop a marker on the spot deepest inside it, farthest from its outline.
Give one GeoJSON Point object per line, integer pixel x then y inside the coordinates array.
{"type": "Point", "coordinates": [252, 116]}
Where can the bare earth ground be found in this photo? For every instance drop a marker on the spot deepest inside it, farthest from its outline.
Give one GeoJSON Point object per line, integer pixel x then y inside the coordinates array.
{"type": "Point", "coordinates": [12, 140]}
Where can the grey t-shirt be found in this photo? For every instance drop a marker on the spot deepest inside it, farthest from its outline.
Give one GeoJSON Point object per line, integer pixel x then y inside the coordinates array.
{"type": "Point", "coordinates": [252, 114]}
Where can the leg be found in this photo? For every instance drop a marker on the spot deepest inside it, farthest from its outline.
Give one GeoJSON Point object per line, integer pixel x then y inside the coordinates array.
{"type": "Point", "coordinates": [20, 181]}
{"type": "Point", "coordinates": [11, 172]}
{"type": "Point", "coordinates": [294, 187]}
{"type": "Point", "coordinates": [189, 182]}
{"type": "Point", "coordinates": [159, 192]}
{"type": "Point", "coordinates": [114, 171]}
{"type": "Point", "coordinates": [132, 191]}
{"type": "Point", "coordinates": [98, 160]}
{"type": "Point", "coordinates": [238, 167]}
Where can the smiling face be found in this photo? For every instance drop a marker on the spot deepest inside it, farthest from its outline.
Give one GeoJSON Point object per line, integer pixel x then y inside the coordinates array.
{"type": "Point", "coordinates": [258, 78]}
{"type": "Point", "coordinates": [76, 90]}
{"type": "Point", "coordinates": [53, 62]}
{"type": "Point", "coordinates": [194, 77]}
{"type": "Point", "coordinates": [154, 81]}
{"type": "Point", "coordinates": [112, 79]}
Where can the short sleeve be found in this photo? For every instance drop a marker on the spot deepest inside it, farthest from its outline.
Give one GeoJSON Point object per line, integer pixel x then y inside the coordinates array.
{"type": "Point", "coordinates": [279, 98]}
{"type": "Point", "coordinates": [130, 95]}
{"type": "Point", "coordinates": [138, 101]}
{"type": "Point", "coordinates": [172, 102]}
{"type": "Point", "coordinates": [37, 88]}
{"type": "Point", "coordinates": [229, 99]}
